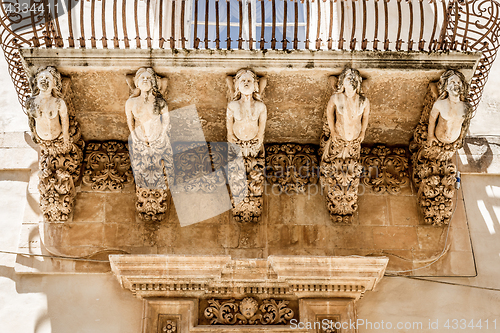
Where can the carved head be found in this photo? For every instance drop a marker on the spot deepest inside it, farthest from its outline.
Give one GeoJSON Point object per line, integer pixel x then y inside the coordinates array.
{"type": "Point", "coordinates": [145, 79]}
{"type": "Point", "coordinates": [246, 82]}
{"type": "Point", "coordinates": [248, 307]}
{"type": "Point", "coordinates": [453, 82]}
{"type": "Point", "coordinates": [47, 79]}
{"type": "Point", "coordinates": [349, 81]}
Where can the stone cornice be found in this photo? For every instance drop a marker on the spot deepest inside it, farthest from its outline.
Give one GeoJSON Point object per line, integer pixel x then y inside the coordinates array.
{"type": "Point", "coordinates": [287, 276]}
{"type": "Point", "coordinates": [82, 59]}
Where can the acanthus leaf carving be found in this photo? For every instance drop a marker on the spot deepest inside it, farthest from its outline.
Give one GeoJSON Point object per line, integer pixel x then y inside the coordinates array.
{"type": "Point", "coordinates": [107, 166]}
{"type": "Point", "coordinates": [248, 312]}
{"type": "Point", "coordinates": [386, 169]}
{"type": "Point", "coordinates": [291, 166]}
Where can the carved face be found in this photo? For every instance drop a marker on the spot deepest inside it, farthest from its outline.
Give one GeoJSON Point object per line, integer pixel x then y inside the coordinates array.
{"type": "Point", "coordinates": [248, 307]}
{"type": "Point", "coordinates": [145, 81]}
{"type": "Point", "coordinates": [454, 85]}
{"type": "Point", "coordinates": [350, 84]}
{"type": "Point", "coordinates": [246, 84]}
{"type": "Point", "coordinates": [45, 81]}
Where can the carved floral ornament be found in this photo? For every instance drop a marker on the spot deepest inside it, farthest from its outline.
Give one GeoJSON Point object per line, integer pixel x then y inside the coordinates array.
{"type": "Point", "coordinates": [248, 312]}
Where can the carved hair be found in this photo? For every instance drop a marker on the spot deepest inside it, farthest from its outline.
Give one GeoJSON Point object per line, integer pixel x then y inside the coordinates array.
{"type": "Point", "coordinates": [237, 92]}
{"type": "Point", "coordinates": [56, 91]}
{"type": "Point", "coordinates": [357, 77]}
{"type": "Point", "coordinates": [443, 83]}
{"type": "Point", "coordinates": [159, 102]}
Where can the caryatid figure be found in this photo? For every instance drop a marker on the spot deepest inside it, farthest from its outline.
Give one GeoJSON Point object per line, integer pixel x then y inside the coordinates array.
{"type": "Point", "coordinates": [146, 108]}
{"type": "Point", "coordinates": [150, 149]}
{"type": "Point", "coordinates": [347, 115]}
{"type": "Point", "coordinates": [47, 110]}
{"type": "Point", "coordinates": [347, 111]}
{"type": "Point", "coordinates": [246, 113]}
{"type": "Point", "coordinates": [450, 109]}
{"type": "Point", "coordinates": [246, 123]}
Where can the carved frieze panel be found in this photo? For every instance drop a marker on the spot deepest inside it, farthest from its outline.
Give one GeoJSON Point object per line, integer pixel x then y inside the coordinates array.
{"type": "Point", "coordinates": [439, 134]}
{"type": "Point", "coordinates": [291, 166]}
{"type": "Point", "coordinates": [54, 127]}
{"type": "Point", "coordinates": [248, 311]}
{"type": "Point", "coordinates": [107, 166]}
{"type": "Point", "coordinates": [385, 170]}
{"type": "Point", "coordinates": [343, 131]}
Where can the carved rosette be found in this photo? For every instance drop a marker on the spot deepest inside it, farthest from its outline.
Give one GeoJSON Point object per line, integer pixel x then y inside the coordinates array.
{"type": "Point", "coordinates": [386, 169]}
{"type": "Point", "coordinates": [340, 175]}
{"type": "Point", "coordinates": [248, 312]}
{"type": "Point", "coordinates": [434, 173]}
{"type": "Point", "coordinates": [169, 326]}
{"type": "Point", "coordinates": [151, 163]}
{"type": "Point", "coordinates": [291, 167]}
{"type": "Point", "coordinates": [107, 166]}
{"type": "Point", "coordinates": [60, 165]}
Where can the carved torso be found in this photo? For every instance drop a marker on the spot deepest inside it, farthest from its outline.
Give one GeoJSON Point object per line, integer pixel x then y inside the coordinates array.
{"type": "Point", "coordinates": [246, 118]}
{"type": "Point", "coordinates": [450, 120]}
{"type": "Point", "coordinates": [46, 111]}
{"type": "Point", "coordinates": [149, 126]}
{"type": "Point", "coordinates": [348, 114]}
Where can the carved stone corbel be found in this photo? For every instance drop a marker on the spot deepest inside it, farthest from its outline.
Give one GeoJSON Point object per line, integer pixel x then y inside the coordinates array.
{"type": "Point", "coordinates": [246, 123]}
{"type": "Point", "coordinates": [440, 132]}
{"type": "Point", "coordinates": [343, 131]}
{"type": "Point", "coordinates": [149, 144]}
{"type": "Point", "coordinates": [54, 127]}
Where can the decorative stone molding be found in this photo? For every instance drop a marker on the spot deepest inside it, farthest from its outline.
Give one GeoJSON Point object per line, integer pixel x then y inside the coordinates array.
{"type": "Point", "coordinates": [385, 169]}
{"type": "Point", "coordinates": [194, 276]}
{"type": "Point", "coordinates": [248, 312]}
{"type": "Point", "coordinates": [54, 127]}
{"type": "Point", "coordinates": [291, 166]}
{"type": "Point", "coordinates": [149, 144]}
{"type": "Point", "coordinates": [171, 315]}
{"type": "Point", "coordinates": [439, 134]}
{"type": "Point", "coordinates": [246, 122]}
{"type": "Point", "coordinates": [107, 166]}
{"type": "Point", "coordinates": [344, 130]}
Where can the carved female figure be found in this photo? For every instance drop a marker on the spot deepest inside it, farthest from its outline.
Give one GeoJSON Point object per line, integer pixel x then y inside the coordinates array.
{"type": "Point", "coordinates": [347, 111]}
{"type": "Point", "coordinates": [47, 110]}
{"type": "Point", "coordinates": [146, 108]}
{"type": "Point", "coordinates": [449, 111]}
{"type": "Point", "coordinates": [246, 113]}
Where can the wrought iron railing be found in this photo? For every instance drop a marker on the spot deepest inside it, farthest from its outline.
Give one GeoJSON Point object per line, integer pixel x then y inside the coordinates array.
{"type": "Point", "coordinates": [386, 25]}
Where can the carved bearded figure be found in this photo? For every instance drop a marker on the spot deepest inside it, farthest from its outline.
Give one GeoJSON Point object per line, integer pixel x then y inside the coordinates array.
{"type": "Point", "coordinates": [246, 114]}
{"type": "Point", "coordinates": [47, 110]}
{"type": "Point", "coordinates": [449, 111]}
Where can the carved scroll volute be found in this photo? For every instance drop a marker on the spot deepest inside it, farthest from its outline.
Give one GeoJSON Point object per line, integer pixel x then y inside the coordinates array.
{"type": "Point", "coordinates": [246, 122]}
{"type": "Point", "coordinates": [149, 145]}
{"type": "Point", "coordinates": [53, 125]}
{"type": "Point", "coordinates": [344, 129]}
{"type": "Point", "coordinates": [445, 119]}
